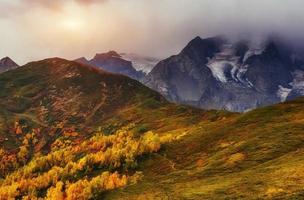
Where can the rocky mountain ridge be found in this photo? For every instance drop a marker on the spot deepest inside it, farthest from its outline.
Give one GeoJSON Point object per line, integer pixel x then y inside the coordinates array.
{"type": "Point", "coordinates": [6, 64]}
{"type": "Point", "coordinates": [215, 73]}
{"type": "Point", "coordinates": [131, 65]}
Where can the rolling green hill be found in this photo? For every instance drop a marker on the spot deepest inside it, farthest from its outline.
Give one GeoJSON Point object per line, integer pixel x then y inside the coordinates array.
{"type": "Point", "coordinates": [256, 155]}
{"type": "Point", "coordinates": [69, 131]}
{"type": "Point", "coordinates": [55, 94]}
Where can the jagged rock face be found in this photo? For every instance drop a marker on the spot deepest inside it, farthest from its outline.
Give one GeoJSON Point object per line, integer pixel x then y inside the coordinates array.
{"type": "Point", "coordinates": [185, 77]}
{"type": "Point", "coordinates": [7, 64]}
{"type": "Point", "coordinates": [112, 62]}
{"type": "Point", "coordinates": [215, 74]}
{"type": "Point", "coordinates": [234, 97]}
{"type": "Point", "coordinates": [269, 70]}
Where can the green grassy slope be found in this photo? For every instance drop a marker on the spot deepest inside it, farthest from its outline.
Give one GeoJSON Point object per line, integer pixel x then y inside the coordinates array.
{"type": "Point", "coordinates": [54, 106]}
{"type": "Point", "coordinates": [257, 155]}
{"type": "Point", "coordinates": [56, 94]}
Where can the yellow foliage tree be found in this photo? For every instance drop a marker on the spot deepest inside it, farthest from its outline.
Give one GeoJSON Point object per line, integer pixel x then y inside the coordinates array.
{"type": "Point", "coordinates": [56, 193]}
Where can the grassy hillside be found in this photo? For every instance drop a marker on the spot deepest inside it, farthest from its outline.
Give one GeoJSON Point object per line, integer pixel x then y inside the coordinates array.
{"type": "Point", "coordinates": [69, 131]}
{"type": "Point", "coordinates": [256, 155]}
{"type": "Point", "coordinates": [73, 122]}
{"type": "Point", "coordinates": [56, 94]}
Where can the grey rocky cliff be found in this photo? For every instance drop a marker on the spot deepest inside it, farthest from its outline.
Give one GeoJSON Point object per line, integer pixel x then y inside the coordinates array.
{"type": "Point", "coordinates": [213, 73]}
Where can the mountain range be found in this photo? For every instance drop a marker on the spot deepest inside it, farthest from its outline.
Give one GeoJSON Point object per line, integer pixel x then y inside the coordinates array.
{"type": "Point", "coordinates": [215, 73]}
{"type": "Point", "coordinates": [132, 65]}
{"type": "Point", "coordinates": [72, 131]}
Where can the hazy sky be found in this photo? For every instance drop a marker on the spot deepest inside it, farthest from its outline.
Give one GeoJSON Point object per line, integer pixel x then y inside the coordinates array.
{"type": "Point", "coordinates": [37, 29]}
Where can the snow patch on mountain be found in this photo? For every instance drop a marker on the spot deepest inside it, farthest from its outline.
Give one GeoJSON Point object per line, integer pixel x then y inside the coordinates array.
{"type": "Point", "coordinates": [225, 66]}
{"type": "Point", "coordinates": [217, 69]}
{"type": "Point", "coordinates": [298, 82]}
{"type": "Point", "coordinates": [252, 52]}
{"type": "Point", "coordinates": [283, 93]}
{"type": "Point", "coordinates": [256, 47]}
{"type": "Point", "coordinates": [141, 63]}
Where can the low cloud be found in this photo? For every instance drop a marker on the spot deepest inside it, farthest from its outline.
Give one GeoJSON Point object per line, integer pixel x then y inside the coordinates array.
{"type": "Point", "coordinates": [152, 27]}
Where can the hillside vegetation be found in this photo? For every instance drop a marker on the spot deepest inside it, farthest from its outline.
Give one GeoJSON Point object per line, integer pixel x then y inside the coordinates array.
{"type": "Point", "coordinates": [256, 155]}
{"type": "Point", "coordinates": [69, 131]}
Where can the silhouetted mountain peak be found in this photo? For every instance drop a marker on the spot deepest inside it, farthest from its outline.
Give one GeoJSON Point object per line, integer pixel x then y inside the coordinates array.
{"type": "Point", "coordinates": [109, 54]}
{"type": "Point", "coordinates": [271, 49]}
{"type": "Point", "coordinates": [197, 39]}
{"type": "Point", "coordinates": [8, 62]}
{"type": "Point", "coordinates": [201, 49]}
{"type": "Point", "coordinates": [111, 61]}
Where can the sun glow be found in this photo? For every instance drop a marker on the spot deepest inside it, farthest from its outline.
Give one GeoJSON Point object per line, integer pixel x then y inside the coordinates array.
{"type": "Point", "coordinates": [72, 24]}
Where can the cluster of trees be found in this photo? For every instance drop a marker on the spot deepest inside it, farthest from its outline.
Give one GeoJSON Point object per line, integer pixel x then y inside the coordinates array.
{"type": "Point", "coordinates": [88, 189]}
{"type": "Point", "coordinates": [10, 161]}
{"type": "Point", "coordinates": [62, 173]}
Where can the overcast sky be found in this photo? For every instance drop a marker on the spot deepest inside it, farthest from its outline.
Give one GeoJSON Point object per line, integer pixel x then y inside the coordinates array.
{"type": "Point", "coordinates": [37, 29]}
